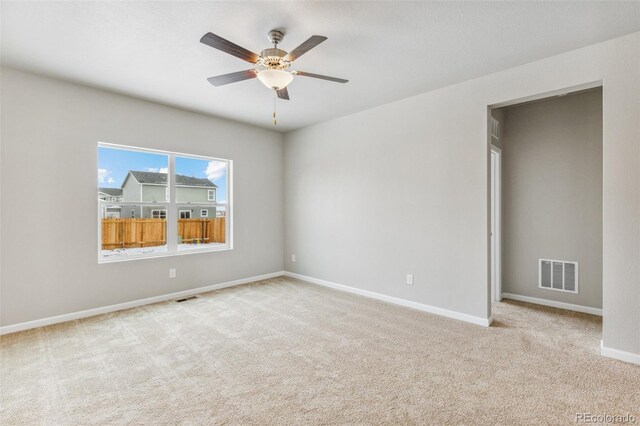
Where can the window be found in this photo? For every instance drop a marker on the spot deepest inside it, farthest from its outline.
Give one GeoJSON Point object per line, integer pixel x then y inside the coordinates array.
{"type": "Point", "coordinates": [161, 190]}
{"type": "Point", "coordinates": [202, 185]}
{"type": "Point", "coordinates": [159, 214]}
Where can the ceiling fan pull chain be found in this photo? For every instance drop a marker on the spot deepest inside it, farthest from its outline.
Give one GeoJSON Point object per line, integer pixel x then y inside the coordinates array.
{"type": "Point", "coordinates": [275, 98]}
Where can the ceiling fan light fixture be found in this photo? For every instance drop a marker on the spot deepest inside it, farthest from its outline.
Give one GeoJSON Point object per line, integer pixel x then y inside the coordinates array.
{"type": "Point", "coordinates": [275, 79]}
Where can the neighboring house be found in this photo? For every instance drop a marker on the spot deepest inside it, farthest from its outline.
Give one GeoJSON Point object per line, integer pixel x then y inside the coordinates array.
{"type": "Point", "coordinates": [110, 194]}
{"type": "Point", "coordinates": [113, 195]}
{"type": "Point", "coordinates": [152, 187]}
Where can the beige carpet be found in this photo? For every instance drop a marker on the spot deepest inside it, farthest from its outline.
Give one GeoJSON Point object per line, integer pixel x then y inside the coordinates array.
{"type": "Point", "coordinates": [285, 352]}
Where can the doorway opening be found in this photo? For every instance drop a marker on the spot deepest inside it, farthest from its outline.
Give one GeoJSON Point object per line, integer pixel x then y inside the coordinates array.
{"type": "Point", "coordinates": [545, 201]}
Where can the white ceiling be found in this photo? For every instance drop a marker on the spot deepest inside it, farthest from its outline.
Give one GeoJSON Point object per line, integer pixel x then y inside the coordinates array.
{"type": "Point", "coordinates": [388, 50]}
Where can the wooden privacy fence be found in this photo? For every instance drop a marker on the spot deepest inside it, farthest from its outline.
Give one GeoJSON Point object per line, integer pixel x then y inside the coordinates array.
{"type": "Point", "coordinates": [202, 230]}
{"type": "Point", "coordinates": [129, 233]}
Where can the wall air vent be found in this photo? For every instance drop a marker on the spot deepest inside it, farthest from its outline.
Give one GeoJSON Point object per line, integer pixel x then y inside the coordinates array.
{"type": "Point", "coordinates": [559, 275]}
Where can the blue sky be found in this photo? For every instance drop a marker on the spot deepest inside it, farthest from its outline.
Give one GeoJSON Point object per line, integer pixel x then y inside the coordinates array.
{"type": "Point", "coordinates": [114, 164]}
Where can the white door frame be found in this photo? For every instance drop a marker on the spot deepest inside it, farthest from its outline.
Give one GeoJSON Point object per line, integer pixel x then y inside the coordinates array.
{"type": "Point", "coordinates": [496, 223]}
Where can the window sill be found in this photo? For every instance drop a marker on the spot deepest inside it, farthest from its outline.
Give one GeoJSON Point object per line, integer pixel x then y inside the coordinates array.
{"type": "Point", "coordinates": [180, 252]}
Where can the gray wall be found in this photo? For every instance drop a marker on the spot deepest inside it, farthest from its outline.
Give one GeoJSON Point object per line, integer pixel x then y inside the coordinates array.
{"type": "Point", "coordinates": [49, 262]}
{"type": "Point", "coordinates": [131, 192]}
{"type": "Point", "coordinates": [403, 188]}
{"type": "Point", "coordinates": [127, 212]}
{"type": "Point", "coordinates": [131, 189]}
{"type": "Point", "coordinates": [196, 211]}
{"type": "Point", "coordinates": [193, 194]}
{"type": "Point", "coordinates": [154, 193]}
{"type": "Point", "coordinates": [552, 194]}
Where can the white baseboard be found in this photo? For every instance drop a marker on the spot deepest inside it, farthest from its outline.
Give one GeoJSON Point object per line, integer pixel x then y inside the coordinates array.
{"type": "Point", "coordinates": [485, 322]}
{"type": "Point", "coordinates": [553, 304]}
{"type": "Point", "coordinates": [128, 305]}
{"type": "Point", "coordinates": [619, 355]}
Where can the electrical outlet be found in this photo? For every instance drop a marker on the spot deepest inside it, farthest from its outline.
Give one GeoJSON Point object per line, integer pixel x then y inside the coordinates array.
{"type": "Point", "coordinates": [293, 257]}
{"type": "Point", "coordinates": [172, 273]}
{"type": "Point", "coordinates": [410, 279]}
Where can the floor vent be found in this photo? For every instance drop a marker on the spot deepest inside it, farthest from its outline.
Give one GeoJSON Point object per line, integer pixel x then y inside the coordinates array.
{"type": "Point", "coordinates": [559, 275]}
{"type": "Point", "coordinates": [186, 299]}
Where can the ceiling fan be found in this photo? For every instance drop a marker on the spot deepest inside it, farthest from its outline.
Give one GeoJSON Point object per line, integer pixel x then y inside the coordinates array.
{"type": "Point", "coordinates": [272, 65]}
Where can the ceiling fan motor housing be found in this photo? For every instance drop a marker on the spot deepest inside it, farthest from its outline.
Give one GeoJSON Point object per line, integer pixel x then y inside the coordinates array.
{"type": "Point", "coordinates": [273, 59]}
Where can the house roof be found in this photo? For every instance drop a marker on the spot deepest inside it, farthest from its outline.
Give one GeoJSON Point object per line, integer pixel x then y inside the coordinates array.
{"type": "Point", "coordinates": [115, 192]}
{"type": "Point", "coordinates": [161, 179]}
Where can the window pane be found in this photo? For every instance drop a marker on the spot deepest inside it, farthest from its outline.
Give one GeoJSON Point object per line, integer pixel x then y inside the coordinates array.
{"type": "Point", "coordinates": [200, 181]}
{"type": "Point", "coordinates": [132, 176]}
{"type": "Point", "coordinates": [199, 227]}
{"type": "Point", "coordinates": [128, 230]}
{"type": "Point", "coordinates": [158, 213]}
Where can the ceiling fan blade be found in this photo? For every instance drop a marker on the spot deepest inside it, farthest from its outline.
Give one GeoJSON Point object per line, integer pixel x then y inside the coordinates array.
{"type": "Point", "coordinates": [322, 77]}
{"type": "Point", "coordinates": [217, 42]}
{"type": "Point", "coordinates": [312, 42]}
{"type": "Point", "coordinates": [283, 93]}
{"type": "Point", "coordinates": [221, 80]}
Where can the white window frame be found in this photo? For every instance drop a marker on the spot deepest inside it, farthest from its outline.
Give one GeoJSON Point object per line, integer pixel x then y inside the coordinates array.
{"type": "Point", "coordinates": [204, 213]}
{"type": "Point", "coordinates": [184, 211]}
{"type": "Point", "coordinates": [211, 195]}
{"type": "Point", "coordinates": [172, 207]}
